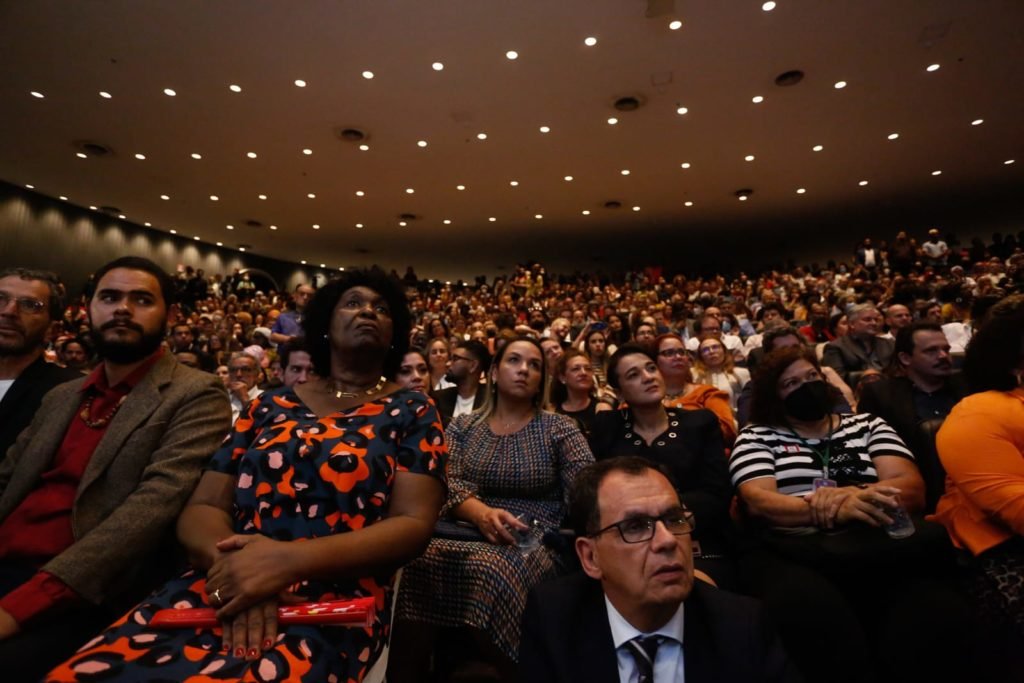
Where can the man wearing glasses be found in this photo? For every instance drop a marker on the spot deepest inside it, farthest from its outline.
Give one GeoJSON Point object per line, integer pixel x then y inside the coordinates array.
{"type": "Point", "coordinates": [467, 362]}
{"type": "Point", "coordinates": [636, 615]}
{"type": "Point", "coordinates": [243, 381]}
{"type": "Point", "coordinates": [30, 300]}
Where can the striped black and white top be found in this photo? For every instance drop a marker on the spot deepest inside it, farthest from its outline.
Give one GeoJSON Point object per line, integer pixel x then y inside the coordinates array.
{"type": "Point", "coordinates": [763, 451]}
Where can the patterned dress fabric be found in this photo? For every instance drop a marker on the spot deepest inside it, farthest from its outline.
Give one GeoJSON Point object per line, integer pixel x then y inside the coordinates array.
{"type": "Point", "coordinates": [299, 476]}
{"type": "Point", "coordinates": [478, 584]}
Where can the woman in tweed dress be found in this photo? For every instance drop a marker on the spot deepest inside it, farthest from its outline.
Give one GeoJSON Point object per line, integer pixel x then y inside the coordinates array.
{"type": "Point", "coordinates": [508, 462]}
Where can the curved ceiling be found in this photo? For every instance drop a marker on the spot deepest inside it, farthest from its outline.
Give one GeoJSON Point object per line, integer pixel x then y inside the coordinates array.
{"type": "Point", "coordinates": [679, 158]}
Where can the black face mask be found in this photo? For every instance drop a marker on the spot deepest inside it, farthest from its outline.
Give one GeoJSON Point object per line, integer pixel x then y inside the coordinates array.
{"type": "Point", "coordinates": [809, 402]}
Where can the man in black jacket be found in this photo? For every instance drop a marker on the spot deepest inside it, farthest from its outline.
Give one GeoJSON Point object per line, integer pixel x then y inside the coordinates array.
{"type": "Point", "coordinates": [638, 614]}
{"type": "Point", "coordinates": [30, 300]}
{"type": "Point", "coordinates": [469, 359]}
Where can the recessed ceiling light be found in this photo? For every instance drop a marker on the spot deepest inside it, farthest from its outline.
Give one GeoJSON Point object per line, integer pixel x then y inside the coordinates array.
{"type": "Point", "coordinates": [105, 95]}
{"type": "Point", "coordinates": [307, 151]}
{"type": "Point", "coordinates": [932, 67]}
{"type": "Point", "coordinates": [977, 122]}
{"type": "Point", "coordinates": [251, 155]}
{"type": "Point", "coordinates": [31, 187]}
{"type": "Point", "coordinates": [196, 155]}
{"type": "Point", "coordinates": [367, 75]}
{"type": "Point", "coordinates": [311, 195]}
{"type": "Point", "coordinates": [757, 99]}
{"type": "Point", "coordinates": [402, 224]}
{"type": "Point", "coordinates": [460, 187]}
{"type": "Point", "coordinates": [1005, 163]}
{"type": "Point", "coordinates": [839, 85]}
{"type": "Point", "coordinates": [322, 265]}
{"type": "Point", "coordinates": [80, 155]}
{"type": "Point", "coordinates": [801, 190]}
{"type": "Point", "coordinates": [364, 148]}
{"type": "Point", "coordinates": [624, 171]}
{"type": "Point", "coordinates": [590, 41]}
{"type": "Point", "coordinates": [447, 221]}
{"type": "Point", "coordinates": [300, 83]}
{"type": "Point", "coordinates": [936, 172]}
{"type": "Point", "coordinates": [437, 66]}
{"type": "Point", "coordinates": [568, 178]}
{"type": "Point", "coordinates": [229, 227]}
{"type": "Point", "coordinates": [196, 238]}
{"type": "Point", "coordinates": [492, 219]}
{"type": "Point", "coordinates": [863, 183]}
{"type": "Point", "coordinates": [273, 227]}
{"type": "Point", "coordinates": [514, 183]}
{"type": "Point", "coordinates": [263, 197]}
{"type": "Point", "coordinates": [817, 148]}
{"type": "Point", "coordinates": [169, 92]}
{"type": "Point", "coordinates": [675, 25]}
{"type": "Point", "coordinates": [612, 121]}
{"type": "Point", "coordinates": [148, 224]}
{"type": "Point", "coordinates": [140, 157]}
{"type": "Point", "coordinates": [685, 164]}
{"type": "Point", "coordinates": [893, 136]}
{"type": "Point", "coordinates": [220, 244]}
{"type": "Point", "coordinates": [681, 110]}
{"type": "Point", "coordinates": [481, 136]}
{"type": "Point", "coordinates": [688, 204]}
{"type": "Point", "coordinates": [235, 88]}
{"type": "Point", "coordinates": [636, 208]}
{"type": "Point", "coordinates": [37, 94]}
{"type": "Point", "coordinates": [409, 190]}
{"type": "Point", "coordinates": [768, 6]}
{"type": "Point", "coordinates": [64, 199]}
{"type": "Point", "coordinates": [512, 54]}
{"type": "Point", "coordinates": [749, 157]}
{"type": "Point", "coordinates": [743, 197]}
{"type": "Point", "coordinates": [360, 193]}
{"type": "Point", "coordinates": [359, 225]}
{"type": "Point", "coordinates": [241, 249]}
{"type": "Point", "coordinates": [303, 262]}
{"type": "Point", "coordinates": [164, 197]}
{"type": "Point", "coordinates": [214, 198]}
{"type": "Point", "coordinates": [585, 212]}
{"type": "Point", "coordinates": [172, 230]}
{"type": "Point", "coordinates": [538, 216]}
{"type": "Point", "coordinates": [545, 129]}
{"type": "Point", "coordinates": [421, 143]}
{"type": "Point", "coordinates": [316, 226]}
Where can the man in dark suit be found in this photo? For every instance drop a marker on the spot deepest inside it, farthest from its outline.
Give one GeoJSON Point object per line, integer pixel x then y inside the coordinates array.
{"type": "Point", "coordinates": [917, 396]}
{"type": "Point", "coordinates": [90, 491]}
{"type": "Point", "coordinates": [468, 361]}
{"type": "Point", "coordinates": [637, 614]}
{"type": "Point", "coordinates": [861, 349]}
{"type": "Point", "coordinates": [30, 300]}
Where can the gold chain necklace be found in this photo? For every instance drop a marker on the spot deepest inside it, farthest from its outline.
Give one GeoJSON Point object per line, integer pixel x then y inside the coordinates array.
{"type": "Point", "coordinates": [100, 422]}
{"type": "Point", "coordinates": [338, 393]}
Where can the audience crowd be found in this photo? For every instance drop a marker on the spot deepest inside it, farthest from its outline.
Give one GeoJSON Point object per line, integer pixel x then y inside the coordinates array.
{"type": "Point", "coordinates": [841, 441]}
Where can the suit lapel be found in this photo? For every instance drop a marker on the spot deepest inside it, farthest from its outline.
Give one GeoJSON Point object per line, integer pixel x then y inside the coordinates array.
{"type": "Point", "coordinates": [20, 387]}
{"type": "Point", "coordinates": [698, 645]}
{"type": "Point", "coordinates": [596, 656]}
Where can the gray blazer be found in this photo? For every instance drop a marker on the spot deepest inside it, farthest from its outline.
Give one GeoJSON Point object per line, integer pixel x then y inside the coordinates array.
{"type": "Point", "coordinates": [137, 481]}
{"type": "Point", "coordinates": [845, 355]}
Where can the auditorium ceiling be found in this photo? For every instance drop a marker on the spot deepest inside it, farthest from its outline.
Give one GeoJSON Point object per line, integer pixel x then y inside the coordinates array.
{"type": "Point", "coordinates": [465, 135]}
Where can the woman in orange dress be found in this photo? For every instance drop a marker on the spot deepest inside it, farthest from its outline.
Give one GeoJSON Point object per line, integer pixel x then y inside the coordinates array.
{"type": "Point", "coordinates": [681, 391]}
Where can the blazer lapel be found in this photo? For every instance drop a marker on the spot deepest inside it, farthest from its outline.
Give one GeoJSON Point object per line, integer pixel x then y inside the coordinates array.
{"type": "Point", "coordinates": [596, 657]}
{"type": "Point", "coordinates": [699, 655]}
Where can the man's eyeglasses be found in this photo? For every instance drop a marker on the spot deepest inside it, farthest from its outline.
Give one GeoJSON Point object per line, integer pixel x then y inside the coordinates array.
{"type": "Point", "coordinates": [23, 303]}
{"type": "Point", "coordinates": [710, 348]}
{"type": "Point", "coordinates": [679, 522]}
{"type": "Point", "coordinates": [672, 353]}
{"type": "Point", "coordinates": [244, 369]}
{"type": "Point", "coordinates": [456, 357]}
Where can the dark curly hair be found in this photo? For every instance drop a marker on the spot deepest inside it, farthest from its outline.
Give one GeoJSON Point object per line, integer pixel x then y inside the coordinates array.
{"type": "Point", "coordinates": [995, 351]}
{"type": "Point", "coordinates": [316, 323]}
{"type": "Point", "coordinates": [766, 408]}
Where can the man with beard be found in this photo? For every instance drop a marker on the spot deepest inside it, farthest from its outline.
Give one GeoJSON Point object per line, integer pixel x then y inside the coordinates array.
{"type": "Point", "coordinates": [921, 386]}
{"type": "Point", "coordinates": [30, 300]}
{"type": "Point", "coordinates": [469, 360]}
{"type": "Point", "coordinates": [91, 489]}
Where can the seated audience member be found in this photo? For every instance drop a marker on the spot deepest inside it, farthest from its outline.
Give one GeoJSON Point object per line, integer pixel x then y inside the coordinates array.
{"type": "Point", "coordinates": [188, 359]}
{"type": "Point", "coordinates": [711, 327]}
{"type": "Point", "coordinates": [768, 316]}
{"type": "Point", "coordinates": [224, 374]}
{"type": "Point", "coordinates": [75, 353]}
{"type": "Point", "coordinates": [469, 360]}
{"type": "Point", "coordinates": [245, 372]}
{"type": "Point", "coordinates": [574, 393]}
{"type": "Point", "coordinates": [182, 340]}
{"type": "Point", "coordinates": [438, 355]}
{"type": "Point", "coordinates": [90, 489]}
{"type": "Point", "coordinates": [636, 613]}
{"type": "Point", "coordinates": [30, 300]}
{"type": "Point", "coordinates": [861, 349]}
{"type": "Point", "coordinates": [959, 332]}
{"type": "Point", "coordinates": [296, 363]}
{"type": "Point", "coordinates": [553, 351]}
{"type": "Point", "coordinates": [595, 346]}
{"type": "Point", "coordinates": [288, 325]}
{"type": "Point", "coordinates": [688, 442]}
{"type": "Point", "coordinates": [644, 335]}
{"type": "Point", "coordinates": [921, 386]}
{"type": "Point", "coordinates": [981, 445]}
{"type": "Point", "coordinates": [414, 372]}
{"type": "Point", "coordinates": [714, 366]}
{"type": "Point", "coordinates": [816, 488]}
{"type": "Point", "coordinates": [682, 392]}
{"type": "Point", "coordinates": [817, 331]}
{"type": "Point", "coordinates": [509, 470]}
{"type": "Point", "coordinates": [897, 316]}
{"type": "Point", "coordinates": [256, 538]}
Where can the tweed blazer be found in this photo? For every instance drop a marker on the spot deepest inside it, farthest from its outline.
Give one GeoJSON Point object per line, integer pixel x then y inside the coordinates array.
{"type": "Point", "coordinates": [137, 480]}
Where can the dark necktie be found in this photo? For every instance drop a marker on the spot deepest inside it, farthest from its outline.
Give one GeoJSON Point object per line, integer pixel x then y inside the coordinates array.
{"type": "Point", "coordinates": [644, 649]}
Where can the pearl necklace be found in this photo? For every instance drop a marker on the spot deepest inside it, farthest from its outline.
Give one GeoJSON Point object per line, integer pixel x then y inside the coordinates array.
{"type": "Point", "coordinates": [338, 393]}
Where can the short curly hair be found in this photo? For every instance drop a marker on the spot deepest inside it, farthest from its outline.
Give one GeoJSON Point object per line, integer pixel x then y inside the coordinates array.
{"type": "Point", "coordinates": [766, 408]}
{"type": "Point", "coordinates": [997, 348]}
{"type": "Point", "coordinates": [316, 323]}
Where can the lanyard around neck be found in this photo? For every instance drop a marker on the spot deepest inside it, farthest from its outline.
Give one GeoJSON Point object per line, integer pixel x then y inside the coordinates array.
{"type": "Point", "coordinates": [823, 456]}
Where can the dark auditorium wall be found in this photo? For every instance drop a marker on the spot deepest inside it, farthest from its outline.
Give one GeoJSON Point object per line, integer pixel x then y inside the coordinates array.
{"type": "Point", "coordinates": [40, 232]}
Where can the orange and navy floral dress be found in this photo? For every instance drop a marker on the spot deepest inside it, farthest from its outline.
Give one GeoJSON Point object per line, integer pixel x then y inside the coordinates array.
{"type": "Point", "coordinates": [299, 476]}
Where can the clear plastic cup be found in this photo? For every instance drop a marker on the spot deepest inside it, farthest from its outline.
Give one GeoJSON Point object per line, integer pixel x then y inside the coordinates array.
{"type": "Point", "coordinates": [528, 540]}
{"type": "Point", "coordinates": [902, 525]}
